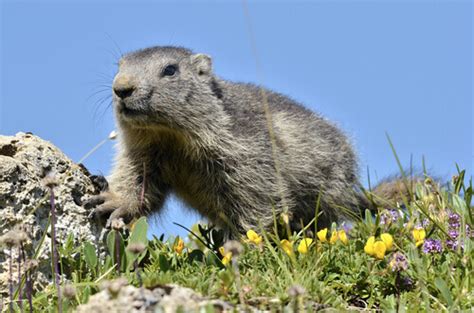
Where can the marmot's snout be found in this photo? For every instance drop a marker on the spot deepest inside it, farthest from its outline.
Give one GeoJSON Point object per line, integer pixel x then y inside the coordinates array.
{"type": "Point", "coordinates": [123, 86]}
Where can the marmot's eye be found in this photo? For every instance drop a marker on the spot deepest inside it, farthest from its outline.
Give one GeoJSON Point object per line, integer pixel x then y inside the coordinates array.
{"type": "Point", "coordinates": [170, 70]}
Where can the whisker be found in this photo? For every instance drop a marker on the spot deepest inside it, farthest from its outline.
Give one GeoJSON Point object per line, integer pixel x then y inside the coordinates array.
{"type": "Point", "coordinates": [101, 100]}
{"type": "Point", "coordinates": [105, 76]}
{"type": "Point", "coordinates": [116, 46]}
{"type": "Point", "coordinates": [106, 83]}
{"type": "Point", "coordinates": [108, 86]}
{"type": "Point", "coordinates": [113, 54]}
{"type": "Point", "coordinates": [109, 105]}
{"type": "Point", "coordinates": [105, 99]}
{"type": "Point", "coordinates": [98, 105]}
{"type": "Point", "coordinates": [96, 93]}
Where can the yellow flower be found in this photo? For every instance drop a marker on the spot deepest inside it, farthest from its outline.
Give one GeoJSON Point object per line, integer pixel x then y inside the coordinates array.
{"type": "Point", "coordinates": [343, 237]}
{"type": "Point", "coordinates": [254, 237]}
{"type": "Point", "coordinates": [227, 256]}
{"type": "Point", "coordinates": [287, 246]}
{"type": "Point", "coordinates": [132, 225]}
{"type": "Point", "coordinates": [379, 249]}
{"type": "Point", "coordinates": [226, 259]}
{"type": "Point", "coordinates": [419, 235]}
{"type": "Point", "coordinates": [369, 246]}
{"type": "Point", "coordinates": [322, 235]}
{"type": "Point", "coordinates": [387, 240]}
{"type": "Point", "coordinates": [333, 238]}
{"type": "Point", "coordinates": [304, 245]}
{"type": "Point", "coordinates": [179, 246]}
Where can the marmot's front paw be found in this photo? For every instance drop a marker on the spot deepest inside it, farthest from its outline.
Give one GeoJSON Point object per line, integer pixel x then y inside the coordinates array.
{"type": "Point", "coordinates": [107, 206]}
{"type": "Point", "coordinates": [100, 182]}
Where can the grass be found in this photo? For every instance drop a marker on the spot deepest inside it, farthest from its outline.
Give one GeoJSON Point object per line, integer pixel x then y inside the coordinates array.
{"type": "Point", "coordinates": [424, 264]}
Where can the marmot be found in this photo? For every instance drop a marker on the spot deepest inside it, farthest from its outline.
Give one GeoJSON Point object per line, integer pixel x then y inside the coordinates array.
{"type": "Point", "coordinates": [182, 129]}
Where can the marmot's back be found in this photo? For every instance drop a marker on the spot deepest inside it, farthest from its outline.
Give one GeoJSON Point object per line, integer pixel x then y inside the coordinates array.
{"type": "Point", "coordinates": [314, 155]}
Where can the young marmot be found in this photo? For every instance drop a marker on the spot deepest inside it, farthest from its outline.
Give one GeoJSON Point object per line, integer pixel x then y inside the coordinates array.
{"type": "Point", "coordinates": [181, 129]}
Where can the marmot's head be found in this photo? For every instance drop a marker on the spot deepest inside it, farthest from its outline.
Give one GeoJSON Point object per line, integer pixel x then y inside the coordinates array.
{"type": "Point", "coordinates": [165, 87]}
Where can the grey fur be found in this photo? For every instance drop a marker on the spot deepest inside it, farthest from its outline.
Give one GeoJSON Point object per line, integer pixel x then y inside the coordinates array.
{"type": "Point", "coordinates": [207, 140]}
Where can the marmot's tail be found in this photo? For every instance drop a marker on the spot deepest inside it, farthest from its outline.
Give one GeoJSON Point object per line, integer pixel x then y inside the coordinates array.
{"type": "Point", "coordinates": [391, 192]}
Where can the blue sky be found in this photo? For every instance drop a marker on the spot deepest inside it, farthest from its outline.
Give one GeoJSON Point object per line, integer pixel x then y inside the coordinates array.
{"type": "Point", "coordinates": [401, 67]}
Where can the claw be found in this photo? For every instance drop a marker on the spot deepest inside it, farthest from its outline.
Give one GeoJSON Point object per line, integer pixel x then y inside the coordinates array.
{"type": "Point", "coordinates": [107, 207]}
{"type": "Point", "coordinates": [108, 224]}
{"type": "Point", "coordinates": [99, 182]}
{"type": "Point", "coordinates": [91, 215]}
{"type": "Point", "coordinates": [119, 214]}
{"type": "Point", "coordinates": [115, 223]}
{"type": "Point", "coordinates": [93, 202]}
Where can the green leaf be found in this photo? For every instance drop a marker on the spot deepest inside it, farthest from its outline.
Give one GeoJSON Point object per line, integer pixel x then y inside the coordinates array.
{"type": "Point", "coordinates": [153, 254]}
{"type": "Point", "coordinates": [86, 294]}
{"type": "Point", "coordinates": [112, 238]}
{"type": "Point", "coordinates": [227, 278]}
{"type": "Point", "coordinates": [164, 263]}
{"type": "Point", "coordinates": [111, 242]}
{"type": "Point", "coordinates": [139, 232]}
{"type": "Point", "coordinates": [138, 235]}
{"type": "Point", "coordinates": [196, 255]}
{"type": "Point", "coordinates": [459, 182]}
{"type": "Point", "coordinates": [90, 255]}
{"type": "Point", "coordinates": [69, 244]}
{"type": "Point", "coordinates": [108, 263]}
{"type": "Point", "coordinates": [368, 219]}
{"type": "Point", "coordinates": [443, 288]}
{"type": "Point", "coordinates": [212, 259]}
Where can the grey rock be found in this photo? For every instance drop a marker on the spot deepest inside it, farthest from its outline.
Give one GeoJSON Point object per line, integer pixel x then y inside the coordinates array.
{"type": "Point", "coordinates": [165, 298]}
{"type": "Point", "coordinates": [25, 160]}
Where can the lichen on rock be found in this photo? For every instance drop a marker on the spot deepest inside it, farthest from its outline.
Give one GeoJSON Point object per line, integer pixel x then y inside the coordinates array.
{"type": "Point", "coordinates": [25, 160]}
{"type": "Point", "coordinates": [163, 298]}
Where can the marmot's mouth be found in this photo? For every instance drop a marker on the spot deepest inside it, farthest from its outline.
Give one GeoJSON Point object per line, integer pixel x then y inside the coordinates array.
{"type": "Point", "coordinates": [126, 110]}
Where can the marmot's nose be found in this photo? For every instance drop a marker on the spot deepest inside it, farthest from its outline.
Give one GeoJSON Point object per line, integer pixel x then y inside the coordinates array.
{"type": "Point", "coordinates": [123, 86]}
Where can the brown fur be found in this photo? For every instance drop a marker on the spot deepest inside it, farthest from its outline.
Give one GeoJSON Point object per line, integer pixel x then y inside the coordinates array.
{"type": "Point", "coordinates": [209, 141]}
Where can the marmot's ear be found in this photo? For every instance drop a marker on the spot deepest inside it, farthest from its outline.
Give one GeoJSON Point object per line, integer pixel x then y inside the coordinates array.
{"type": "Point", "coordinates": [202, 63]}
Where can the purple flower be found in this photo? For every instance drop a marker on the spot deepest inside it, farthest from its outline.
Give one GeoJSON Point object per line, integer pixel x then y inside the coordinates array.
{"type": "Point", "coordinates": [453, 233]}
{"type": "Point", "coordinates": [347, 227]}
{"type": "Point", "coordinates": [390, 216]}
{"type": "Point", "coordinates": [404, 282]}
{"type": "Point", "coordinates": [454, 220]}
{"type": "Point", "coordinates": [469, 232]}
{"type": "Point", "coordinates": [398, 262]}
{"type": "Point", "coordinates": [452, 244]}
{"type": "Point", "coordinates": [432, 246]}
{"type": "Point", "coordinates": [425, 223]}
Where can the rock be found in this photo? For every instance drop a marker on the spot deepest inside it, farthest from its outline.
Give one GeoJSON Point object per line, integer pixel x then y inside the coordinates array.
{"type": "Point", "coordinates": [180, 297]}
{"type": "Point", "coordinates": [28, 166]}
{"type": "Point", "coordinates": [25, 160]}
{"type": "Point", "coordinates": [165, 298]}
